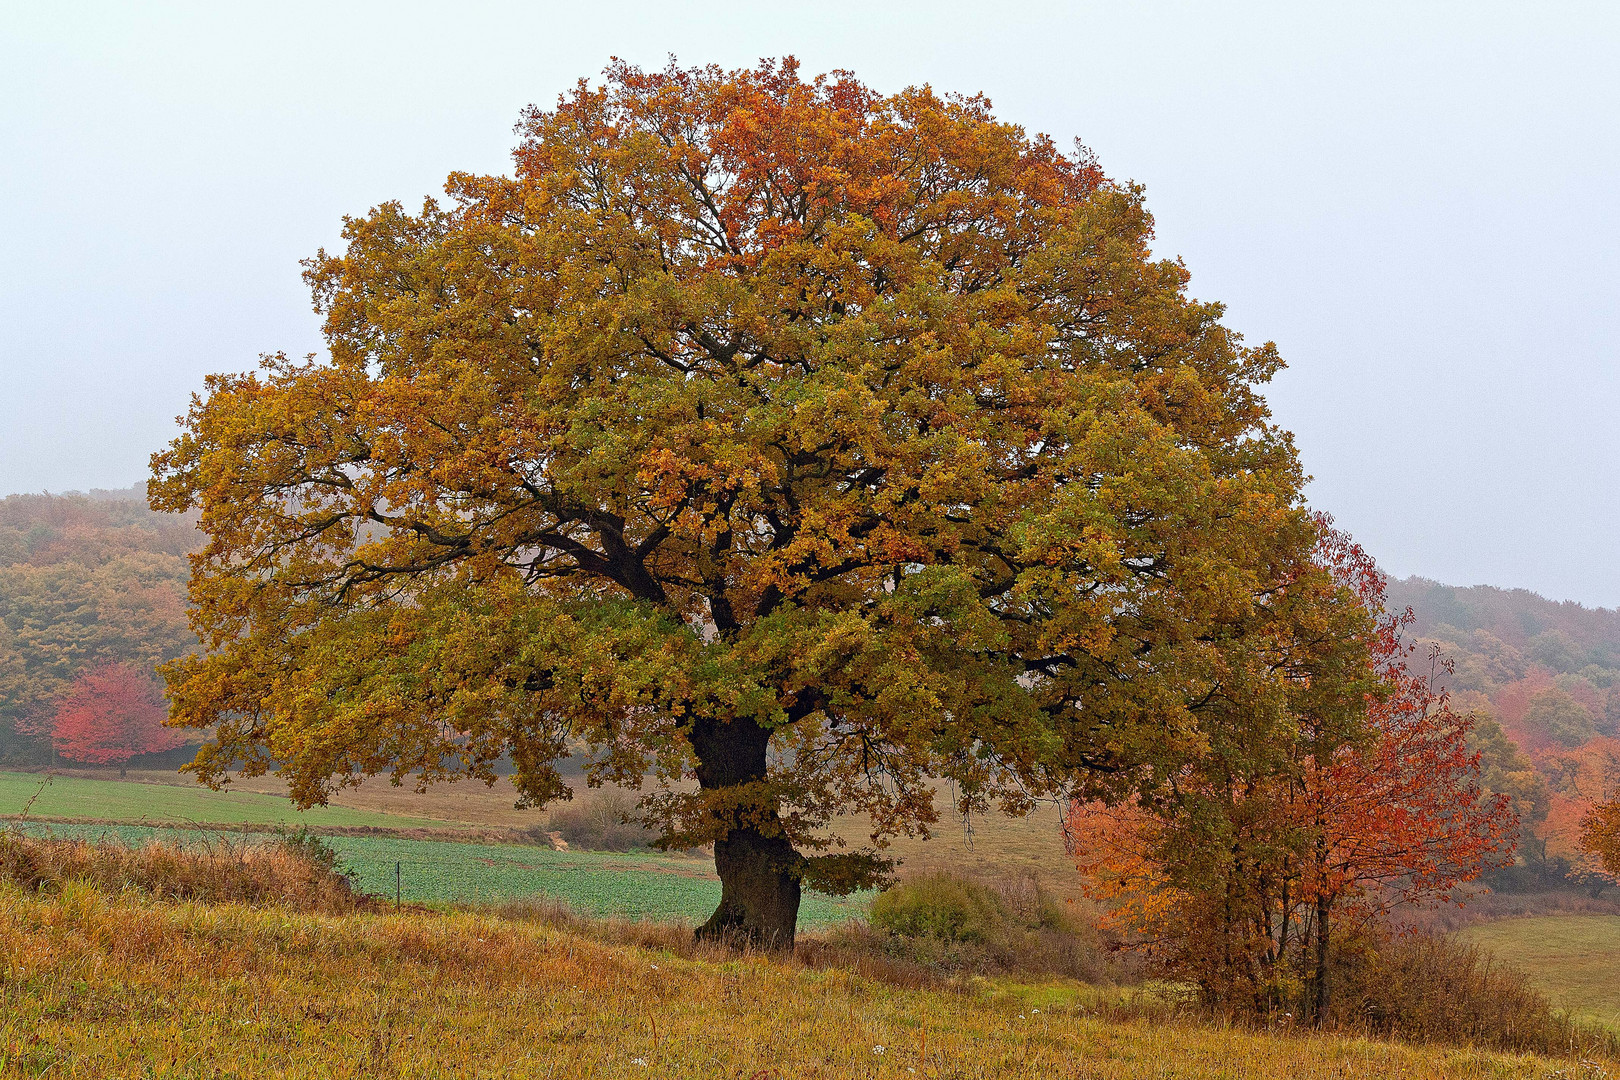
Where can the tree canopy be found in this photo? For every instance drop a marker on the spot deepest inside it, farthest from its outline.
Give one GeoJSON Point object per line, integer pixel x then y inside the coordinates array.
{"type": "Point", "coordinates": [111, 713]}
{"type": "Point", "coordinates": [810, 443]}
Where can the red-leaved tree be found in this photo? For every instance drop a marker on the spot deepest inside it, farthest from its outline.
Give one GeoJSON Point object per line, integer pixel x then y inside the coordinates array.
{"type": "Point", "coordinates": [1355, 795]}
{"type": "Point", "coordinates": [110, 714]}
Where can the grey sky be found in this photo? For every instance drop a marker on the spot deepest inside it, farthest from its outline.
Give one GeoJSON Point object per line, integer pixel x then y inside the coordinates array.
{"type": "Point", "coordinates": [1417, 201]}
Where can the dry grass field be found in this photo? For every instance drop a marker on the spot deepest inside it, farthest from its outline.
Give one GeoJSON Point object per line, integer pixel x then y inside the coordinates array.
{"type": "Point", "coordinates": [120, 986]}
{"type": "Point", "coordinates": [1575, 959]}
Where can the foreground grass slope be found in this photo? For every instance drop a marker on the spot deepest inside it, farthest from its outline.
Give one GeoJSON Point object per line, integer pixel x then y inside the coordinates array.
{"type": "Point", "coordinates": [1574, 959]}
{"type": "Point", "coordinates": [97, 985]}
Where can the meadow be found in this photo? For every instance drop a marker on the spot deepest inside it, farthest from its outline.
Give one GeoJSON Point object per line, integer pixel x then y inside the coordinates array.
{"type": "Point", "coordinates": [445, 871]}
{"type": "Point", "coordinates": [635, 885]}
{"type": "Point", "coordinates": [80, 798]}
{"type": "Point", "coordinates": [1573, 959]}
{"type": "Point", "coordinates": [98, 985]}
{"type": "Point", "coordinates": [993, 846]}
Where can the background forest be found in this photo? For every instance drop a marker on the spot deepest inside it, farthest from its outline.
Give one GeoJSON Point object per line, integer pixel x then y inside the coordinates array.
{"type": "Point", "coordinates": [1544, 680]}
{"type": "Point", "coordinates": [89, 585]}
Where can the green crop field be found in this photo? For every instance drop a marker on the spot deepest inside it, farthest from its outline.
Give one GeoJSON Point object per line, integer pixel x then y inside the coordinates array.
{"type": "Point", "coordinates": [444, 872]}
{"type": "Point", "coordinates": [432, 872]}
{"type": "Point", "coordinates": [1574, 959]}
{"type": "Point", "coordinates": [113, 800]}
{"type": "Point", "coordinates": [638, 886]}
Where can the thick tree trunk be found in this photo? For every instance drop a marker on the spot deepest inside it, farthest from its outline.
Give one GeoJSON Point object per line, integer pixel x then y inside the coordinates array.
{"type": "Point", "coordinates": [759, 892]}
{"type": "Point", "coordinates": [758, 868]}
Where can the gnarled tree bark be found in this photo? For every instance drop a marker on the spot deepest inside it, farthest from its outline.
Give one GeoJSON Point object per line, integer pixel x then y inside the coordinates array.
{"type": "Point", "coordinates": [758, 867]}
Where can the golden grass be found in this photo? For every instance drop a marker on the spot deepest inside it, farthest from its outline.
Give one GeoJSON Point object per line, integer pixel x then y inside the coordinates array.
{"type": "Point", "coordinates": [93, 985]}
{"type": "Point", "coordinates": [285, 874]}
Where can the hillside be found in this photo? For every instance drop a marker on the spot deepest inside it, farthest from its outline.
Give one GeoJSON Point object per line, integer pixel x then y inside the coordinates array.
{"type": "Point", "coordinates": [1561, 635]}
{"type": "Point", "coordinates": [100, 986]}
{"type": "Point", "coordinates": [1543, 679]}
{"type": "Point", "coordinates": [85, 581]}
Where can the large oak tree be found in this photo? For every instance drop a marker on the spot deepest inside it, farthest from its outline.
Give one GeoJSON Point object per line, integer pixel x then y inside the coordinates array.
{"type": "Point", "coordinates": [806, 442]}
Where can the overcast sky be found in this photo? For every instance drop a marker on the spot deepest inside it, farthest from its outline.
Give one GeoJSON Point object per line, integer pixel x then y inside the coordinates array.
{"type": "Point", "coordinates": [1417, 201]}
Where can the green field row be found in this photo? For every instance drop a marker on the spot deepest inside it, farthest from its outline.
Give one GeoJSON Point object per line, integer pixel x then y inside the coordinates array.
{"type": "Point", "coordinates": [114, 800]}
{"type": "Point", "coordinates": [443, 872]}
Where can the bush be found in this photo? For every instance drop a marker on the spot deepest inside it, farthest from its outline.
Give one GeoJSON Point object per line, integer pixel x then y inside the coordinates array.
{"type": "Point", "coordinates": [956, 925]}
{"type": "Point", "coordinates": [599, 820]}
{"type": "Point", "coordinates": [939, 906]}
{"type": "Point", "coordinates": [297, 871]}
{"type": "Point", "coordinates": [1431, 988]}
{"type": "Point", "coordinates": [304, 845]}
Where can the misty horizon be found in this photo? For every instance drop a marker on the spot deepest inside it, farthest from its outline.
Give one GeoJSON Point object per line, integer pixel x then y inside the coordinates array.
{"type": "Point", "coordinates": [1416, 204]}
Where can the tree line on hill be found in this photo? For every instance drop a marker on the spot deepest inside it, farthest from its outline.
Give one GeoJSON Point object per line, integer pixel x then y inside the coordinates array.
{"type": "Point", "coordinates": [1543, 680]}
{"type": "Point", "coordinates": [92, 598]}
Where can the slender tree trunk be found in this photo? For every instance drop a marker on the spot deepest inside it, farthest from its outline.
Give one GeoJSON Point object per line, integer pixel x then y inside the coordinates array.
{"type": "Point", "coordinates": [1285, 917]}
{"type": "Point", "coordinates": [758, 868]}
{"type": "Point", "coordinates": [1319, 1005]}
{"type": "Point", "coordinates": [1279, 963]}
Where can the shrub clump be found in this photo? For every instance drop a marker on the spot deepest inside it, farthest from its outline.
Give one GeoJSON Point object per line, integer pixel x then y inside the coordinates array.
{"type": "Point", "coordinates": [599, 820]}
{"type": "Point", "coordinates": [957, 925]}
{"type": "Point", "coordinates": [1433, 988]}
{"type": "Point", "coordinates": [296, 871]}
{"type": "Point", "coordinates": [941, 906]}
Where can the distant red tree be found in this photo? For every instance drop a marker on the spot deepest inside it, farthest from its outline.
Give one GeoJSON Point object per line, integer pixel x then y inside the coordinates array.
{"type": "Point", "coordinates": [110, 714]}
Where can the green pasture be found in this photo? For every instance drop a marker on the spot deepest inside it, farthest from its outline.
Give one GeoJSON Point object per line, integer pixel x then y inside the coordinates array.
{"type": "Point", "coordinates": [1573, 959]}
{"type": "Point", "coordinates": [444, 872]}
{"type": "Point", "coordinates": [432, 872]}
{"type": "Point", "coordinates": [115, 800]}
{"type": "Point", "coordinates": [602, 883]}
